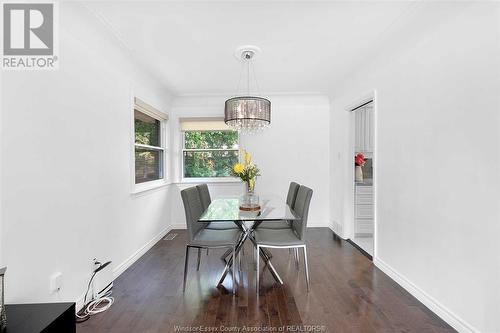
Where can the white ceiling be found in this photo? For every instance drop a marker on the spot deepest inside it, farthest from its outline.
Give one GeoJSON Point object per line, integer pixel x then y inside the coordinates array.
{"type": "Point", "coordinates": [307, 47]}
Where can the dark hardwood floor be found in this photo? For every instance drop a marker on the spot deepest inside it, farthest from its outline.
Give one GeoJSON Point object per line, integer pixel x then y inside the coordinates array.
{"type": "Point", "coordinates": [348, 294]}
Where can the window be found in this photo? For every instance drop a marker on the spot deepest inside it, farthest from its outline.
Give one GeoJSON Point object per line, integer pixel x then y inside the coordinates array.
{"type": "Point", "coordinates": [149, 143]}
{"type": "Point", "coordinates": [210, 149]}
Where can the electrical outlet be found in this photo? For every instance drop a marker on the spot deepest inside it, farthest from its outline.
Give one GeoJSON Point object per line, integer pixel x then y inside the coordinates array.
{"type": "Point", "coordinates": [55, 282]}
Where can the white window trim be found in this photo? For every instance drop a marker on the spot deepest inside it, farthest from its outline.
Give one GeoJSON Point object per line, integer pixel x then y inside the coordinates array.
{"type": "Point", "coordinates": [190, 180]}
{"type": "Point", "coordinates": [147, 109]}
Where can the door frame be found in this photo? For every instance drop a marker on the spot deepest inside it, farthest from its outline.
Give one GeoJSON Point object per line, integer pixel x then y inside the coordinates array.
{"type": "Point", "coordinates": [350, 187]}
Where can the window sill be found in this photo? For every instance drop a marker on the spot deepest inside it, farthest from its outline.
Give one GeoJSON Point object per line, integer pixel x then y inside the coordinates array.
{"type": "Point", "coordinates": [229, 180]}
{"type": "Point", "coordinates": [149, 186]}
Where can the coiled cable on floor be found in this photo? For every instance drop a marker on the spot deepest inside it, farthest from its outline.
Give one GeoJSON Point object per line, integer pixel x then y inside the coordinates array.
{"type": "Point", "coordinates": [95, 305]}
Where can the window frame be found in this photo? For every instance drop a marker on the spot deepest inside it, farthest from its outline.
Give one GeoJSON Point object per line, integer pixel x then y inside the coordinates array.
{"type": "Point", "coordinates": [228, 179]}
{"type": "Point", "coordinates": [141, 106]}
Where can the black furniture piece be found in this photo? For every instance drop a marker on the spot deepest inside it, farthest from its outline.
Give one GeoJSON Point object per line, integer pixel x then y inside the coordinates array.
{"type": "Point", "coordinates": [41, 317]}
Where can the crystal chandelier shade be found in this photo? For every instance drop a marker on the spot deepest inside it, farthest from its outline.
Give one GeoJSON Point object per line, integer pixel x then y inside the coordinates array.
{"type": "Point", "coordinates": [247, 114]}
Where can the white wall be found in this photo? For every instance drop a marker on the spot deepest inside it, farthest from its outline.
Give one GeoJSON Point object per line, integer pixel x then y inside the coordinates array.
{"type": "Point", "coordinates": [2, 250]}
{"type": "Point", "coordinates": [437, 161]}
{"type": "Point", "coordinates": [295, 148]}
{"type": "Point", "coordinates": [66, 171]}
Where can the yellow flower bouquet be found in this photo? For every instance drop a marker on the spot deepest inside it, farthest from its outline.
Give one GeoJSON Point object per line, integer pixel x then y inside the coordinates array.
{"type": "Point", "coordinates": [246, 171]}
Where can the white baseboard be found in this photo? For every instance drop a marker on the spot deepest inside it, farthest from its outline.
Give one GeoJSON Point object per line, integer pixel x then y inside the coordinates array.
{"type": "Point", "coordinates": [178, 226]}
{"type": "Point", "coordinates": [338, 228]}
{"type": "Point", "coordinates": [337, 233]}
{"type": "Point", "coordinates": [439, 309]}
{"type": "Point", "coordinates": [316, 224]}
{"type": "Point", "coordinates": [118, 270]}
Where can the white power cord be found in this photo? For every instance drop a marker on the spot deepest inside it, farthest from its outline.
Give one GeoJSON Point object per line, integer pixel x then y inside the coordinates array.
{"type": "Point", "coordinates": [98, 303]}
{"type": "Point", "coordinates": [96, 306]}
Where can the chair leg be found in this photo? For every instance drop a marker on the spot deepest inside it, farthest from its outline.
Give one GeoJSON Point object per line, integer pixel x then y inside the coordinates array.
{"type": "Point", "coordinates": [185, 268]}
{"type": "Point", "coordinates": [207, 251]}
{"type": "Point", "coordinates": [257, 265]}
{"type": "Point", "coordinates": [296, 255]}
{"type": "Point", "coordinates": [234, 270]}
{"type": "Point", "coordinates": [199, 259]}
{"type": "Point", "coordinates": [306, 267]}
{"type": "Point", "coordinates": [239, 260]}
{"type": "Point", "coordinates": [253, 257]}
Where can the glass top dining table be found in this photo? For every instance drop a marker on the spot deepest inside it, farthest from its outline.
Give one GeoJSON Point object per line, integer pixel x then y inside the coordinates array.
{"type": "Point", "coordinates": [228, 209]}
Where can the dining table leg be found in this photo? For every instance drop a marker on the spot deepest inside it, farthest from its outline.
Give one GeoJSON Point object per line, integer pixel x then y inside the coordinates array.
{"type": "Point", "coordinates": [264, 254]}
{"type": "Point", "coordinates": [229, 252]}
{"type": "Point", "coordinates": [242, 227]}
{"type": "Point", "coordinates": [226, 254]}
{"type": "Point", "coordinates": [237, 250]}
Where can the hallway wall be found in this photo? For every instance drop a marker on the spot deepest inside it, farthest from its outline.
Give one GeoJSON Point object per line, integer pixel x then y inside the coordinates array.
{"type": "Point", "coordinates": [437, 143]}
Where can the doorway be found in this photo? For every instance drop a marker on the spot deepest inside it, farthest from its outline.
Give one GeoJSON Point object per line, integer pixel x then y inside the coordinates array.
{"type": "Point", "coordinates": [363, 228]}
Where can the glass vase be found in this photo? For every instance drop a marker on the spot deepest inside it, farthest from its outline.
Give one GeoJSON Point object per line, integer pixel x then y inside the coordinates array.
{"type": "Point", "coordinates": [249, 201]}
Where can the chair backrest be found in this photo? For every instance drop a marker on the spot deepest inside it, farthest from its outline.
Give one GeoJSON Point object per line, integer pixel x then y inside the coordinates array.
{"type": "Point", "coordinates": [301, 208]}
{"type": "Point", "coordinates": [204, 195]}
{"type": "Point", "coordinates": [193, 209]}
{"type": "Point", "coordinates": [292, 194]}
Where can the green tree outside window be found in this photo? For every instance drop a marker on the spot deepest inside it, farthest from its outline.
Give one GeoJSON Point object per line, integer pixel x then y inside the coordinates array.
{"type": "Point", "coordinates": [210, 153]}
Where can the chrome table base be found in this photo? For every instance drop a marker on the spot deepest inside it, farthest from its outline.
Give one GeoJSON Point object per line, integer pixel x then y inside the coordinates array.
{"type": "Point", "coordinates": [264, 254]}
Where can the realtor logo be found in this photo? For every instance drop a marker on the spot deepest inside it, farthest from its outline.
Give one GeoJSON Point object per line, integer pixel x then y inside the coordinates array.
{"type": "Point", "coordinates": [29, 36]}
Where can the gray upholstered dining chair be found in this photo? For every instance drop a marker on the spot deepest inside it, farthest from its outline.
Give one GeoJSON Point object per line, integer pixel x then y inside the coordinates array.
{"type": "Point", "coordinates": [202, 238]}
{"type": "Point", "coordinates": [290, 201]}
{"type": "Point", "coordinates": [205, 202]}
{"type": "Point", "coordinates": [293, 237]}
{"type": "Point", "coordinates": [276, 225]}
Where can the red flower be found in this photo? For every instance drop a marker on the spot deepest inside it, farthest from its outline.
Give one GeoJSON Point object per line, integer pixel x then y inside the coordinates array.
{"type": "Point", "coordinates": [359, 159]}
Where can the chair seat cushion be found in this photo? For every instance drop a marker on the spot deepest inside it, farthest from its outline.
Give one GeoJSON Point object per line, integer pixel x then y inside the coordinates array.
{"type": "Point", "coordinates": [277, 237]}
{"type": "Point", "coordinates": [274, 225]}
{"type": "Point", "coordinates": [222, 225]}
{"type": "Point", "coordinates": [211, 237]}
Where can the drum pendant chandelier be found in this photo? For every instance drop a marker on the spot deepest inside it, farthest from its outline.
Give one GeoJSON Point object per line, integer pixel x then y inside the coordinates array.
{"type": "Point", "coordinates": [247, 114]}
